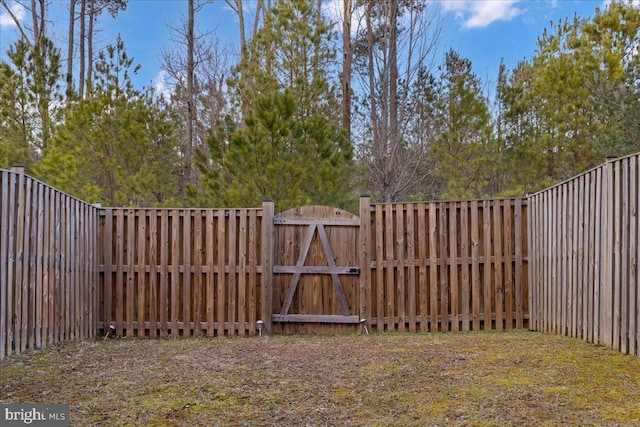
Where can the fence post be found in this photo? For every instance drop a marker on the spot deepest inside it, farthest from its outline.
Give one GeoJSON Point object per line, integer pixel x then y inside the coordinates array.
{"type": "Point", "coordinates": [267, 265]}
{"type": "Point", "coordinates": [606, 271]}
{"type": "Point", "coordinates": [364, 236]}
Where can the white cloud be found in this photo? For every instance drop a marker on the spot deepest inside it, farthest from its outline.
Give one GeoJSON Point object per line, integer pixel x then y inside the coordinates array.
{"type": "Point", "coordinates": [333, 12]}
{"type": "Point", "coordinates": [5, 18]}
{"type": "Point", "coordinates": [480, 13]}
{"type": "Point", "coordinates": [161, 86]}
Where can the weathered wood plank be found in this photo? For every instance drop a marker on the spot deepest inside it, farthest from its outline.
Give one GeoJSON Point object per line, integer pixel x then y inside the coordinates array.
{"type": "Point", "coordinates": [594, 256]}
{"type": "Point", "coordinates": [633, 257]}
{"type": "Point", "coordinates": [130, 277]}
{"type": "Point", "coordinates": [634, 286]}
{"type": "Point", "coordinates": [423, 282]}
{"type": "Point", "coordinates": [254, 244]}
{"type": "Point", "coordinates": [608, 240]}
{"type": "Point", "coordinates": [508, 251]}
{"type": "Point", "coordinates": [476, 294]}
{"type": "Point", "coordinates": [622, 230]}
{"type": "Point", "coordinates": [210, 294]}
{"type": "Point", "coordinates": [267, 264]}
{"type": "Point", "coordinates": [519, 291]}
{"type": "Point", "coordinates": [315, 318]}
{"type": "Point", "coordinates": [411, 296]}
{"type": "Point", "coordinates": [59, 269]}
{"type": "Point", "coordinates": [380, 282]}
{"type": "Point", "coordinates": [390, 307]}
{"type": "Point", "coordinates": [575, 282]}
{"type": "Point", "coordinates": [582, 254]}
{"type": "Point", "coordinates": [444, 274]}
{"type": "Point", "coordinates": [299, 268]}
{"type": "Point", "coordinates": [221, 282]}
{"type": "Point", "coordinates": [454, 303]}
{"type": "Point", "coordinates": [47, 267]}
{"type": "Point", "coordinates": [433, 268]}
{"type": "Point", "coordinates": [28, 301]}
{"type": "Point", "coordinates": [337, 284]}
{"type": "Point", "coordinates": [40, 208]}
{"type": "Point", "coordinates": [6, 188]}
{"type": "Point", "coordinates": [563, 277]}
{"type": "Point", "coordinates": [599, 265]}
{"type": "Point", "coordinates": [553, 314]}
{"type": "Point", "coordinates": [67, 263]}
{"type": "Point", "coordinates": [153, 274]}
{"type": "Point", "coordinates": [74, 259]}
{"type": "Point", "coordinates": [174, 292]}
{"type": "Point", "coordinates": [364, 283]}
{"type": "Point", "coordinates": [52, 265]}
{"type": "Point", "coordinates": [315, 269]}
{"type": "Point", "coordinates": [465, 290]}
{"type": "Point", "coordinates": [231, 277]}
{"type": "Point", "coordinates": [187, 242]}
{"type": "Point", "coordinates": [355, 222]}
{"type": "Point", "coordinates": [141, 224]}
{"type": "Point", "coordinates": [20, 267]}
{"type": "Point", "coordinates": [399, 282]}
{"type": "Point", "coordinates": [163, 298]}
{"type": "Point", "coordinates": [487, 252]}
{"type": "Point", "coordinates": [498, 285]}
{"type": "Point", "coordinates": [242, 265]}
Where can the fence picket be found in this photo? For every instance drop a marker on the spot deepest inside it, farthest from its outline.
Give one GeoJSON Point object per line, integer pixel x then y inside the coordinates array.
{"type": "Point", "coordinates": [423, 282]}
{"type": "Point", "coordinates": [399, 281]}
{"type": "Point", "coordinates": [411, 271]}
{"type": "Point", "coordinates": [476, 294]}
{"type": "Point", "coordinates": [465, 242]}
{"type": "Point", "coordinates": [5, 189]}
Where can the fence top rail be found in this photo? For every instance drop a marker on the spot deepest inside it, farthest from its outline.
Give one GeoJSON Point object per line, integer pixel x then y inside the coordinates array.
{"type": "Point", "coordinates": [524, 199]}
{"type": "Point", "coordinates": [585, 173]}
{"type": "Point", "coordinates": [20, 171]}
{"type": "Point", "coordinates": [181, 211]}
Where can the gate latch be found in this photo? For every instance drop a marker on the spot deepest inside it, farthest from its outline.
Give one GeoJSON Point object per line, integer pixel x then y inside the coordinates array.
{"type": "Point", "coordinates": [354, 270]}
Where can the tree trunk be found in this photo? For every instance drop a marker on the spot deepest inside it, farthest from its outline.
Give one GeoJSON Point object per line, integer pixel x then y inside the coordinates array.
{"type": "Point", "coordinates": [347, 59]}
{"type": "Point", "coordinates": [393, 132]}
{"type": "Point", "coordinates": [70, 48]}
{"type": "Point", "coordinates": [92, 19]}
{"type": "Point", "coordinates": [371, 72]}
{"type": "Point", "coordinates": [190, 97]}
{"type": "Point", "coordinates": [82, 36]}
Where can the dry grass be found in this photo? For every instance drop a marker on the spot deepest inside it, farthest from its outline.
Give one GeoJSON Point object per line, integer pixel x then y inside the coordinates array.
{"type": "Point", "coordinates": [480, 379]}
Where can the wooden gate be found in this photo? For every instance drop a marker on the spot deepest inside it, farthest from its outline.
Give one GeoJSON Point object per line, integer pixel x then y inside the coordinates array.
{"type": "Point", "coordinates": [315, 270]}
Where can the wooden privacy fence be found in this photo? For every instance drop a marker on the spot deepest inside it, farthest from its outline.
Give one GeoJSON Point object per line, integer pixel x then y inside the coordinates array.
{"type": "Point", "coordinates": [176, 272]}
{"type": "Point", "coordinates": [69, 270]}
{"type": "Point", "coordinates": [564, 260]}
{"type": "Point", "coordinates": [434, 266]}
{"type": "Point", "coordinates": [584, 256]}
{"type": "Point", "coordinates": [442, 266]}
{"type": "Point", "coordinates": [49, 244]}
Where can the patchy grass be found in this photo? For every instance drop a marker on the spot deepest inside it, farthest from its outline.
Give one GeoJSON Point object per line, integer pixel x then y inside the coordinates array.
{"type": "Point", "coordinates": [453, 379]}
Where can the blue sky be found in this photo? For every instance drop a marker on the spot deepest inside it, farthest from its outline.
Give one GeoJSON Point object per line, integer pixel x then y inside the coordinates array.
{"type": "Point", "coordinates": [482, 30]}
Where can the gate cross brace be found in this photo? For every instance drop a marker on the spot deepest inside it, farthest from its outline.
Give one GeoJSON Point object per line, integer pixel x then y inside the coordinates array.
{"type": "Point", "coordinates": [300, 263]}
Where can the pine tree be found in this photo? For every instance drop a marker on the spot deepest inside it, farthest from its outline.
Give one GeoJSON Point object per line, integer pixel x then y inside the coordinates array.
{"type": "Point", "coordinates": [29, 100]}
{"type": "Point", "coordinates": [117, 145]}
{"type": "Point", "coordinates": [464, 149]}
{"type": "Point", "coordinates": [291, 116]}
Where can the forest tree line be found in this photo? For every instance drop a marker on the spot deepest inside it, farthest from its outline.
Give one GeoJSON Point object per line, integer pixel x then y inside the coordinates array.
{"type": "Point", "coordinates": [308, 111]}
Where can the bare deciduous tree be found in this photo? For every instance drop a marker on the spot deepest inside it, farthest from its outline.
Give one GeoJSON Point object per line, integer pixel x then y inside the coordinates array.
{"type": "Point", "coordinates": [196, 69]}
{"type": "Point", "coordinates": [397, 41]}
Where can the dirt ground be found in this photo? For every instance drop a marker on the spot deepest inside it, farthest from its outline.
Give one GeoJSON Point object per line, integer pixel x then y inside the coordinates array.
{"type": "Point", "coordinates": [454, 379]}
